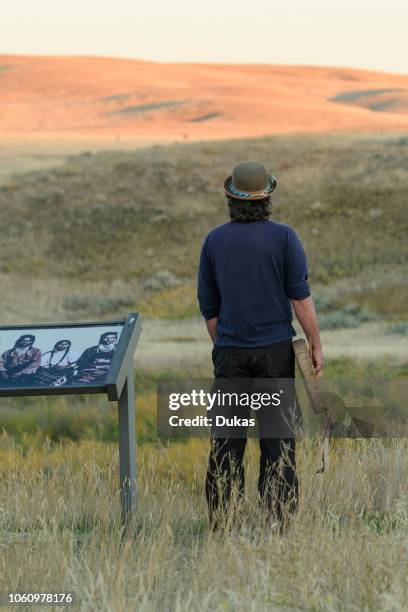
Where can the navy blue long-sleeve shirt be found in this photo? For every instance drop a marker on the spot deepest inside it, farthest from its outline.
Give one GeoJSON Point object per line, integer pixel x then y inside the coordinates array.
{"type": "Point", "coordinates": [248, 274]}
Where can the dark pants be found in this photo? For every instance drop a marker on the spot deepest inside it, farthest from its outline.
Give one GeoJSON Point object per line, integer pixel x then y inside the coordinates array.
{"type": "Point", "coordinates": [277, 483]}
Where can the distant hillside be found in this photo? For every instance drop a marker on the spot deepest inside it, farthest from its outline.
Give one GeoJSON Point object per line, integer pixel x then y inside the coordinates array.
{"type": "Point", "coordinates": [139, 218]}
{"type": "Point", "coordinates": [77, 96]}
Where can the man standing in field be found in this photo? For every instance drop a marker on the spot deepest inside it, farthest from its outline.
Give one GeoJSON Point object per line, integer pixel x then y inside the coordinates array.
{"type": "Point", "coordinates": [251, 270]}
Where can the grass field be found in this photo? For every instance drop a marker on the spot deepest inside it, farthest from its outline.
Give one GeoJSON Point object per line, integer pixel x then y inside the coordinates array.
{"type": "Point", "coordinates": [347, 550]}
{"type": "Point", "coordinates": [104, 233]}
{"type": "Point", "coordinates": [60, 516]}
{"type": "Point", "coordinates": [116, 229]}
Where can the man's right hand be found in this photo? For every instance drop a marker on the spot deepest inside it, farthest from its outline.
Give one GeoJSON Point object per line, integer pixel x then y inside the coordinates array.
{"type": "Point", "coordinates": [318, 362]}
{"type": "Point", "coordinates": [306, 315]}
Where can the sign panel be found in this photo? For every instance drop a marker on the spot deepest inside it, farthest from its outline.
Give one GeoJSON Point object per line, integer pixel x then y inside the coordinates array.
{"type": "Point", "coordinates": [66, 357]}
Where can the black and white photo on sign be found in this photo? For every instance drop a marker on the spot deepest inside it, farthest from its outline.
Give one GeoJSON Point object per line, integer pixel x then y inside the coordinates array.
{"type": "Point", "coordinates": [56, 357]}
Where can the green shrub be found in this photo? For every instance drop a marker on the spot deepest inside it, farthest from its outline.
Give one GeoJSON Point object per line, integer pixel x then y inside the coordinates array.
{"type": "Point", "coordinates": [399, 328]}
{"type": "Point", "coordinates": [349, 316]}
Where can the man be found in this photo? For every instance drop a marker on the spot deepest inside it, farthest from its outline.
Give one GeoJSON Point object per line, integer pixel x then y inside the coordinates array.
{"type": "Point", "coordinates": [251, 271]}
{"type": "Point", "coordinates": [17, 365]}
{"type": "Point", "coordinates": [94, 363]}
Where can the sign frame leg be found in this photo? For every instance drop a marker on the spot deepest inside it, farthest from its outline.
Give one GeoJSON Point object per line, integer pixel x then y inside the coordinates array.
{"type": "Point", "coordinates": [127, 448]}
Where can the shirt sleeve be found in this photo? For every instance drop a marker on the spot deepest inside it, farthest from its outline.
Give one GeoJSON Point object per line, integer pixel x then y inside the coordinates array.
{"type": "Point", "coordinates": [207, 292]}
{"type": "Point", "coordinates": [296, 269]}
{"type": "Point", "coordinates": [85, 360]}
{"type": "Point", "coordinates": [3, 364]}
{"type": "Point", "coordinates": [35, 362]}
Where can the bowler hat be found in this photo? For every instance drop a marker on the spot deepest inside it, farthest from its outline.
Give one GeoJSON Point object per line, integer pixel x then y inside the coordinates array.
{"type": "Point", "coordinates": [249, 181]}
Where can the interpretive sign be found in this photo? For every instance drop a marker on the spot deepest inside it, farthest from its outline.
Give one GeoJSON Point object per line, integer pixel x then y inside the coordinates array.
{"type": "Point", "coordinates": [78, 358]}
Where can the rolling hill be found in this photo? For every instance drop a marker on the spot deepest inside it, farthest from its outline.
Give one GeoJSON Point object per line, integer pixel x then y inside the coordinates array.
{"type": "Point", "coordinates": [86, 96]}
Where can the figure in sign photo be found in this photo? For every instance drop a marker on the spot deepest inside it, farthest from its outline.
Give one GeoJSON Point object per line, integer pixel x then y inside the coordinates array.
{"type": "Point", "coordinates": [18, 364]}
{"type": "Point", "coordinates": [58, 366]}
{"type": "Point", "coordinates": [94, 363]}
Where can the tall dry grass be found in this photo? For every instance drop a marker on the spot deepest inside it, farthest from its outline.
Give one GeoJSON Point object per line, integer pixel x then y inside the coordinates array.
{"type": "Point", "coordinates": [60, 529]}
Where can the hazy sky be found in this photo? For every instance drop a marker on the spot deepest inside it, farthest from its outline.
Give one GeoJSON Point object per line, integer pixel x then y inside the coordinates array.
{"type": "Point", "coordinates": [357, 33]}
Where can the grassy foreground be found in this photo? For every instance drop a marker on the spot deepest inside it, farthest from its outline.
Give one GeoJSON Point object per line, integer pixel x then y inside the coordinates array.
{"type": "Point", "coordinates": [59, 529]}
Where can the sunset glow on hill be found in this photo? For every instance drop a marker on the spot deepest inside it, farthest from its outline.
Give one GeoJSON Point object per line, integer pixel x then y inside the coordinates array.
{"type": "Point", "coordinates": [80, 96]}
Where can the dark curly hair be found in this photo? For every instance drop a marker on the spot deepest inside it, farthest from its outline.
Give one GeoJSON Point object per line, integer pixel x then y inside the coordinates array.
{"type": "Point", "coordinates": [241, 211]}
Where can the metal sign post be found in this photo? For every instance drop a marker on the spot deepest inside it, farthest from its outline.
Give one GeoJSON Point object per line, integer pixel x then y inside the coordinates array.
{"type": "Point", "coordinates": [127, 447]}
{"type": "Point", "coordinates": [38, 363]}
{"type": "Point", "coordinates": [120, 387]}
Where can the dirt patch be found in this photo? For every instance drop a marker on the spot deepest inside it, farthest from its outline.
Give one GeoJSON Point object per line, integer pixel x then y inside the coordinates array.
{"type": "Point", "coordinates": [167, 345]}
{"type": "Point", "coordinates": [144, 108]}
{"type": "Point", "coordinates": [353, 96]}
{"type": "Point", "coordinates": [6, 67]}
{"type": "Point", "coordinates": [206, 117]}
{"type": "Point", "coordinates": [380, 100]}
{"type": "Point", "coordinates": [116, 97]}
